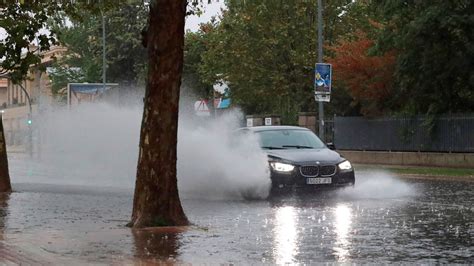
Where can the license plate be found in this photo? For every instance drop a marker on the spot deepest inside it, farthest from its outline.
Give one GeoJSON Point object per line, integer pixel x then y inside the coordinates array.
{"type": "Point", "coordinates": [315, 181]}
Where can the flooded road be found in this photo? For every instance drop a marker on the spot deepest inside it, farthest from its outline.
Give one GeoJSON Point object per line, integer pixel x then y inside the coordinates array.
{"type": "Point", "coordinates": [382, 219]}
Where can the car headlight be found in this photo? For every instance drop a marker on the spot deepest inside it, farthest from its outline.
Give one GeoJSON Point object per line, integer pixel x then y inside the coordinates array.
{"type": "Point", "coordinates": [346, 165]}
{"type": "Point", "coordinates": [282, 167]}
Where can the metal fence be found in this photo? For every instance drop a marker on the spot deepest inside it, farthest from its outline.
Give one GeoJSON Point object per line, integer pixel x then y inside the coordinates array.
{"type": "Point", "coordinates": [448, 133]}
{"type": "Point", "coordinates": [328, 130]}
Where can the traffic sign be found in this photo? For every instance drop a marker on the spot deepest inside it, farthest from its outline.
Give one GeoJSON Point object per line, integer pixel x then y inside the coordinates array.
{"type": "Point", "coordinates": [322, 82]}
{"type": "Point", "coordinates": [201, 108]}
{"type": "Point", "coordinates": [268, 121]}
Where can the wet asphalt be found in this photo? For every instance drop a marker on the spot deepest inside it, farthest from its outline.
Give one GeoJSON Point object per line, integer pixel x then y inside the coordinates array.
{"type": "Point", "coordinates": [383, 219]}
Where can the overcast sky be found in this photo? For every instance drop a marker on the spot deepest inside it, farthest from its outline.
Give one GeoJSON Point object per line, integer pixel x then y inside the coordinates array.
{"type": "Point", "coordinates": [192, 22]}
{"type": "Point", "coordinates": [210, 10]}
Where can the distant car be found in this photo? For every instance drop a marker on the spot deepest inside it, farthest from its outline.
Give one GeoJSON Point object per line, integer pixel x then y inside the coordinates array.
{"type": "Point", "coordinates": [298, 158]}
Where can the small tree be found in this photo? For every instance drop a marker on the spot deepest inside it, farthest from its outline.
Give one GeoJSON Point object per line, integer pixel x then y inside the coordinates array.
{"type": "Point", "coordinates": [368, 78]}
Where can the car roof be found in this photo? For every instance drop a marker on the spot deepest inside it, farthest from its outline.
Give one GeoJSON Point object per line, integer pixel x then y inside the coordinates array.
{"type": "Point", "coordinates": [268, 128]}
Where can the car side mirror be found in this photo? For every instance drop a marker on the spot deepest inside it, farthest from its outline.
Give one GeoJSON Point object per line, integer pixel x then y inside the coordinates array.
{"type": "Point", "coordinates": [331, 146]}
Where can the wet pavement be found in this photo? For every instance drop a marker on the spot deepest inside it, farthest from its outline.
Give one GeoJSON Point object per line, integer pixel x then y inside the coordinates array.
{"type": "Point", "coordinates": [382, 219]}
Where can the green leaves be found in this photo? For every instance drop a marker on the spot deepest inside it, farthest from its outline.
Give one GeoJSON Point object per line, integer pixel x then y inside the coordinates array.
{"type": "Point", "coordinates": [23, 24]}
{"type": "Point", "coordinates": [27, 21]}
{"type": "Point", "coordinates": [436, 55]}
{"type": "Point", "coordinates": [125, 55]}
{"type": "Point", "coordinates": [266, 51]}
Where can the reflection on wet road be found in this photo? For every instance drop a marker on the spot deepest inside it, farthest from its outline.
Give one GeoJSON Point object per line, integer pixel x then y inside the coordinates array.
{"type": "Point", "coordinates": [382, 219]}
{"type": "Point", "coordinates": [285, 231]}
{"type": "Point", "coordinates": [342, 223]}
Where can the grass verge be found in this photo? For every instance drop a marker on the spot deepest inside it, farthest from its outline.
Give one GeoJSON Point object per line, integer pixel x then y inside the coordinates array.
{"type": "Point", "coordinates": [420, 170]}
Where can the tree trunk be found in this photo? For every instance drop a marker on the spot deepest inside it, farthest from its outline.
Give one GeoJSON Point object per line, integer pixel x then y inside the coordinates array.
{"type": "Point", "coordinates": [5, 185]}
{"type": "Point", "coordinates": [156, 201]}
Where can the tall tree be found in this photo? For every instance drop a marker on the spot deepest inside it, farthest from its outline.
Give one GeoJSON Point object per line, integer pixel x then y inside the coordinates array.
{"type": "Point", "coordinates": [82, 35]}
{"type": "Point", "coordinates": [265, 48]}
{"type": "Point", "coordinates": [156, 200]}
{"type": "Point", "coordinates": [435, 62]}
{"type": "Point", "coordinates": [194, 47]}
{"type": "Point", "coordinates": [82, 62]}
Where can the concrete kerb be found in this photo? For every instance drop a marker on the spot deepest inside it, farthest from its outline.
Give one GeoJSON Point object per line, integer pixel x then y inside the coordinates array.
{"type": "Point", "coordinates": [429, 159]}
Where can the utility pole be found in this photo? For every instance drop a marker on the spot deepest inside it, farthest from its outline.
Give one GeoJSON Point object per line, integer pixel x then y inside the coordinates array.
{"type": "Point", "coordinates": [320, 60]}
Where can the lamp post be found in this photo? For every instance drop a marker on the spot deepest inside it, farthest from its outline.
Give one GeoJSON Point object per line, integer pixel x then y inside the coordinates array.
{"type": "Point", "coordinates": [29, 121]}
{"type": "Point", "coordinates": [320, 60]}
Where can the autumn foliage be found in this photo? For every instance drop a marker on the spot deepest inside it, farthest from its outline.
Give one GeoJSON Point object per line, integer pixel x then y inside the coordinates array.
{"type": "Point", "coordinates": [368, 78]}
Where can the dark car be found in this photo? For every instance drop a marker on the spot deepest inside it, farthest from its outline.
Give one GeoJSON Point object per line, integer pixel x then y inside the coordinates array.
{"type": "Point", "coordinates": [298, 158]}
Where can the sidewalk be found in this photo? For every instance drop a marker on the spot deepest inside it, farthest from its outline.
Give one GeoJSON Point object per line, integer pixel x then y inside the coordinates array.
{"type": "Point", "coordinates": [12, 256]}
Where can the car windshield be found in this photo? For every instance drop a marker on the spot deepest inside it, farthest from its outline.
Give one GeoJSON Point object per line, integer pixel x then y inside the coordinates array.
{"type": "Point", "coordinates": [289, 139]}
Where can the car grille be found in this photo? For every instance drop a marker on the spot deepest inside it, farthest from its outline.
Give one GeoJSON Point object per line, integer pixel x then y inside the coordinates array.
{"type": "Point", "coordinates": [327, 170]}
{"type": "Point", "coordinates": [309, 170]}
{"type": "Point", "coordinates": [313, 171]}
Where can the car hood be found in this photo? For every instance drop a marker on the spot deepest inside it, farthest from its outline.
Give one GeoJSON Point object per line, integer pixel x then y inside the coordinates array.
{"type": "Point", "coordinates": [306, 155]}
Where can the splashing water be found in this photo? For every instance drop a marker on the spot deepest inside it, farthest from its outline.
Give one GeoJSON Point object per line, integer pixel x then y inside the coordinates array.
{"type": "Point", "coordinates": [89, 145]}
{"type": "Point", "coordinates": [215, 163]}
{"type": "Point", "coordinates": [376, 184]}
{"type": "Point", "coordinates": [97, 145]}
